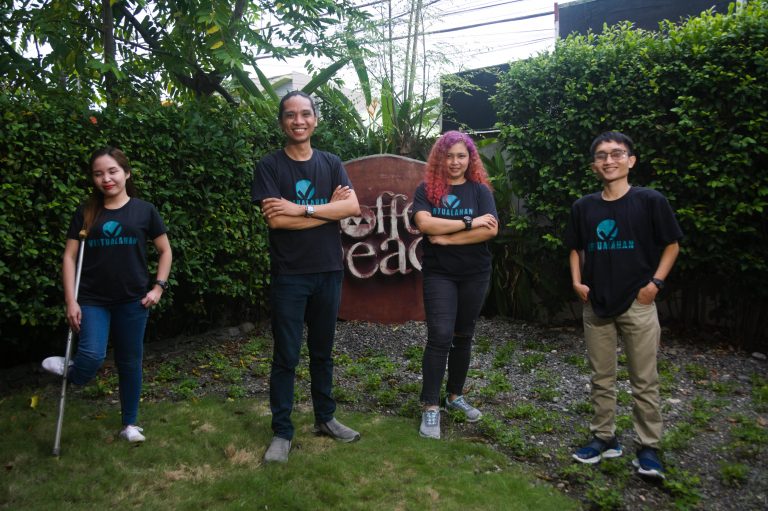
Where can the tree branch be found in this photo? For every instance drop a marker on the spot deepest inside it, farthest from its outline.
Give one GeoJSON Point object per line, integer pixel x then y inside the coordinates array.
{"type": "Point", "coordinates": [200, 82]}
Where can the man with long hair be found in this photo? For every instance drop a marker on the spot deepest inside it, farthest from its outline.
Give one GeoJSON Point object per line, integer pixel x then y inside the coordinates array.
{"type": "Point", "coordinates": [303, 193]}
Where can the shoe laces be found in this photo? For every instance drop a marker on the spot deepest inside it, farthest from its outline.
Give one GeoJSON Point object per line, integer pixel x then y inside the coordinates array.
{"type": "Point", "coordinates": [431, 417]}
{"type": "Point", "coordinates": [597, 444]}
{"type": "Point", "coordinates": [461, 404]}
{"type": "Point", "coordinates": [648, 455]}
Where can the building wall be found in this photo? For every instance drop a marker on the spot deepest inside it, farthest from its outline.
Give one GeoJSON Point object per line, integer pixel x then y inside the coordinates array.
{"type": "Point", "coordinates": [584, 15]}
{"type": "Point", "coordinates": [473, 110]}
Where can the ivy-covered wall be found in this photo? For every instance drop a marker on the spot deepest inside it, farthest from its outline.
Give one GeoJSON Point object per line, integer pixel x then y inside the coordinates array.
{"type": "Point", "coordinates": [693, 97]}
{"type": "Point", "coordinates": [193, 162]}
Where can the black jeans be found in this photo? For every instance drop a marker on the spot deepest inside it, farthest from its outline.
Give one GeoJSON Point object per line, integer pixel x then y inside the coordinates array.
{"type": "Point", "coordinates": [312, 298]}
{"type": "Point", "coordinates": [452, 305]}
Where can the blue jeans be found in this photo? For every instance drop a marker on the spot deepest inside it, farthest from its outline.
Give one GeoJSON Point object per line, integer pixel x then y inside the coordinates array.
{"type": "Point", "coordinates": [126, 322]}
{"type": "Point", "coordinates": [452, 306]}
{"type": "Point", "coordinates": [312, 298]}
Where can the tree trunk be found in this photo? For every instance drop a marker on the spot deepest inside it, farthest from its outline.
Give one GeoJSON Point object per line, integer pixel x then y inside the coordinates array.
{"type": "Point", "coordinates": [108, 38]}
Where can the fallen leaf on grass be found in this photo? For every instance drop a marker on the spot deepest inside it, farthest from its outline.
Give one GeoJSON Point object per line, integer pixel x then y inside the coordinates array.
{"type": "Point", "coordinates": [33, 402]}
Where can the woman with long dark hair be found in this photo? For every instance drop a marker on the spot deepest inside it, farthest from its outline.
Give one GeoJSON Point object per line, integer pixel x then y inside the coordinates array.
{"type": "Point", "coordinates": [455, 211]}
{"type": "Point", "coordinates": [115, 292]}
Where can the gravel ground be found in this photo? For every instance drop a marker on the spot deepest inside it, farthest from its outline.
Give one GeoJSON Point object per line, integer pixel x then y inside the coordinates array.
{"type": "Point", "coordinates": [532, 384]}
{"type": "Point", "coordinates": [709, 386]}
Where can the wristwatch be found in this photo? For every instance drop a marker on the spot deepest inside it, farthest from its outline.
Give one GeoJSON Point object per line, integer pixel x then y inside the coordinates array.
{"type": "Point", "coordinates": [658, 283]}
{"type": "Point", "coordinates": [467, 223]}
{"type": "Point", "coordinates": [309, 211]}
{"type": "Point", "coordinates": [163, 284]}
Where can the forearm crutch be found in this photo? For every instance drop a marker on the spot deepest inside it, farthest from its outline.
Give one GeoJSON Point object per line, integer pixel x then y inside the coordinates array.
{"type": "Point", "coordinates": [68, 350]}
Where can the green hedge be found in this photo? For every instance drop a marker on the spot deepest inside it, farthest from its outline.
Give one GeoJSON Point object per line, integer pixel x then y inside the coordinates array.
{"type": "Point", "coordinates": [193, 162]}
{"type": "Point", "coordinates": [693, 97]}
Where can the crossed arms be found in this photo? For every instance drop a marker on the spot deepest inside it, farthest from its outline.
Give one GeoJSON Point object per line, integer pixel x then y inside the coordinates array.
{"type": "Point", "coordinates": [445, 231]}
{"type": "Point", "coordinates": [284, 214]}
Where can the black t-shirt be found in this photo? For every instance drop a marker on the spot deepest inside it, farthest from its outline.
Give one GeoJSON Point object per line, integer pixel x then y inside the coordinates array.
{"type": "Point", "coordinates": [467, 199]}
{"type": "Point", "coordinates": [115, 257]}
{"type": "Point", "coordinates": [622, 242]}
{"type": "Point", "coordinates": [311, 182]}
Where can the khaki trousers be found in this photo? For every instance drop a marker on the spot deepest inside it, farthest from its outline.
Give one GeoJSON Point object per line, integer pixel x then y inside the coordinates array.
{"type": "Point", "coordinates": [639, 329]}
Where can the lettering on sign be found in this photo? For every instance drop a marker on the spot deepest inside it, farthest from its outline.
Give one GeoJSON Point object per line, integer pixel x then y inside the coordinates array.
{"type": "Point", "coordinates": [385, 247]}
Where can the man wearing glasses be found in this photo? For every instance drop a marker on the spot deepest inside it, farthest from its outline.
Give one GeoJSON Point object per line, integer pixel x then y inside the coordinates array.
{"type": "Point", "coordinates": [623, 243]}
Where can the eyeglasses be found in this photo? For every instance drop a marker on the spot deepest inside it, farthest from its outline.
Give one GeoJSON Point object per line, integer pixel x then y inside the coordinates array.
{"type": "Point", "coordinates": [616, 154]}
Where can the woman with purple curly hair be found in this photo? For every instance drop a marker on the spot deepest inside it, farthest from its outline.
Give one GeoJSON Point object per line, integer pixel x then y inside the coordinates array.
{"type": "Point", "coordinates": [455, 211]}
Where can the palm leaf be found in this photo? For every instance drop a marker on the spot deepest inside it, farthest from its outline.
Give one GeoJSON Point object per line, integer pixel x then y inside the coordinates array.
{"type": "Point", "coordinates": [247, 83]}
{"type": "Point", "coordinates": [324, 76]}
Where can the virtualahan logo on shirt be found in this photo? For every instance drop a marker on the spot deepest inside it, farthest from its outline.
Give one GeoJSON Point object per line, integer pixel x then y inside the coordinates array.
{"type": "Point", "coordinates": [111, 235]}
{"type": "Point", "coordinates": [111, 229]}
{"type": "Point", "coordinates": [450, 207]}
{"type": "Point", "coordinates": [305, 191]}
{"type": "Point", "coordinates": [607, 236]}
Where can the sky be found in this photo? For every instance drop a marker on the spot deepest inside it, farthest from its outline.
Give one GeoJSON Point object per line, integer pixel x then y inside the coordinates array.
{"type": "Point", "coordinates": [472, 33]}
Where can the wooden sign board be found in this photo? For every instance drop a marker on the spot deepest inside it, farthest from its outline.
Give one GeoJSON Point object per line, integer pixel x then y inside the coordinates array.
{"type": "Point", "coordinates": [382, 250]}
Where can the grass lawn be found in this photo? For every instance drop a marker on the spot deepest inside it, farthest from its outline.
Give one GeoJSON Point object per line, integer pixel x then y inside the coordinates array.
{"type": "Point", "coordinates": [207, 454]}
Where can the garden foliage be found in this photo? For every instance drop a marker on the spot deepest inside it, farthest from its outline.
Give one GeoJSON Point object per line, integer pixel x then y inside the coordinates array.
{"type": "Point", "coordinates": [194, 162]}
{"type": "Point", "coordinates": [692, 96]}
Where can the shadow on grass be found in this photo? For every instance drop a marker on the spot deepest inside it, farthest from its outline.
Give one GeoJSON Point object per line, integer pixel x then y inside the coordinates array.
{"type": "Point", "coordinates": [207, 454]}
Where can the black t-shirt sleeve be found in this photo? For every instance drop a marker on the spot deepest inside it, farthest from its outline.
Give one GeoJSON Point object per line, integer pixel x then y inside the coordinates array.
{"type": "Point", "coordinates": [420, 202]}
{"type": "Point", "coordinates": [342, 179]}
{"type": "Point", "coordinates": [265, 184]}
{"type": "Point", "coordinates": [666, 229]}
{"type": "Point", "coordinates": [485, 201]}
{"type": "Point", "coordinates": [573, 238]}
{"type": "Point", "coordinates": [75, 225]}
{"type": "Point", "coordinates": [156, 226]}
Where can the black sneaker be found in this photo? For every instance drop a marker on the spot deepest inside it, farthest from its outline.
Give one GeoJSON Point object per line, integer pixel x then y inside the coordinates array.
{"type": "Point", "coordinates": [648, 463]}
{"type": "Point", "coordinates": [598, 449]}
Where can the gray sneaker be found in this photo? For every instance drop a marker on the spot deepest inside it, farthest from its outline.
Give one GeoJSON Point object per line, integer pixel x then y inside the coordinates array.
{"type": "Point", "coordinates": [430, 424]}
{"type": "Point", "coordinates": [277, 450]}
{"type": "Point", "coordinates": [472, 413]}
{"type": "Point", "coordinates": [337, 431]}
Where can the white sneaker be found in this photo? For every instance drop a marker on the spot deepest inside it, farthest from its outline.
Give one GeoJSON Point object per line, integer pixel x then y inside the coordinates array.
{"type": "Point", "coordinates": [430, 424]}
{"type": "Point", "coordinates": [55, 365]}
{"type": "Point", "coordinates": [132, 434]}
